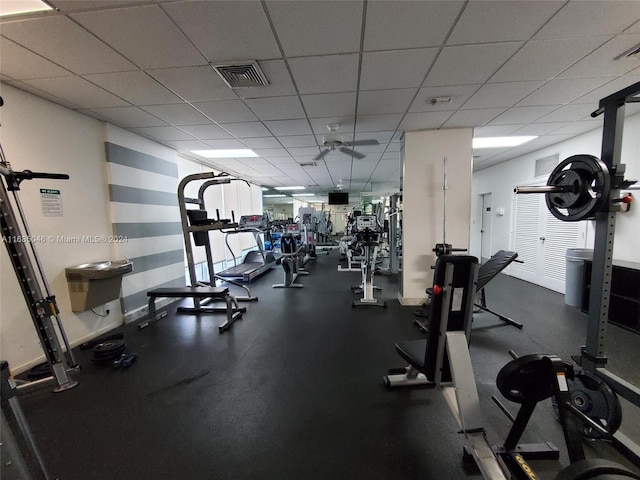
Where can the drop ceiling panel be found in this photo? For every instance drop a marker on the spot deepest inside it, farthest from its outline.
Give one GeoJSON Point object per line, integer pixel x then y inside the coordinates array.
{"type": "Point", "coordinates": [424, 120]}
{"type": "Point", "coordinates": [298, 141]}
{"type": "Point", "coordinates": [499, 21]}
{"type": "Point", "coordinates": [520, 115]}
{"type": "Point", "coordinates": [339, 73]}
{"type": "Point", "coordinates": [276, 108]}
{"type": "Point", "coordinates": [464, 65]}
{"type": "Point", "coordinates": [544, 59]}
{"type": "Point", "coordinates": [164, 133]}
{"type": "Point", "coordinates": [277, 75]}
{"type": "Point", "coordinates": [47, 96]}
{"type": "Point", "coordinates": [303, 151]}
{"type": "Point", "coordinates": [317, 28]}
{"type": "Point", "coordinates": [539, 129]}
{"type": "Point", "coordinates": [135, 87]}
{"type": "Point", "coordinates": [271, 152]}
{"type": "Point", "coordinates": [194, 84]}
{"type": "Point", "coordinates": [496, 130]}
{"type": "Point", "coordinates": [226, 31]}
{"type": "Point", "coordinates": [262, 142]}
{"type": "Point", "coordinates": [562, 91]}
{"type": "Point", "coordinates": [288, 127]}
{"type": "Point", "coordinates": [319, 125]}
{"type": "Point", "coordinates": [79, 5]}
{"type": "Point", "coordinates": [577, 128]}
{"type": "Point", "coordinates": [206, 132]}
{"type": "Point", "coordinates": [493, 95]}
{"type": "Point", "coordinates": [60, 40]}
{"type": "Point", "coordinates": [458, 93]}
{"type": "Point", "coordinates": [471, 118]}
{"type": "Point", "coordinates": [226, 111]}
{"type": "Point", "coordinates": [395, 69]}
{"type": "Point", "coordinates": [128, 117]}
{"type": "Point", "coordinates": [226, 143]}
{"type": "Point", "coordinates": [568, 113]}
{"type": "Point", "coordinates": [19, 63]}
{"type": "Point", "coordinates": [401, 24]}
{"type": "Point", "coordinates": [330, 104]}
{"type": "Point", "coordinates": [247, 130]}
{"type": "Point", "coordinates": [378, 123]}
{"type": "Point", "coordinates": [179, 114]}
{"type": "Point", "coordinates": [374, 102]}
{"type": "Point", "coordinates": [592, 98]}
{"type": "Point", "coordinates": [78, 91]}
{"type": "Point", "coordinates": [581, 19]}
{"type": "Point", "coordinates": [145, 35]}
{"type": "Point", "coordinates": [602, 63]}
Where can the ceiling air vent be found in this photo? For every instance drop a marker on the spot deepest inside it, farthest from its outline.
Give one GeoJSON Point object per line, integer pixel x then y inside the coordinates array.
{"type": "Point", "coordinates": [633, 52]}
{"type": "Point", "coordinates": [241, 74]}
{"type": "Point", "coordinates": [308, 164]}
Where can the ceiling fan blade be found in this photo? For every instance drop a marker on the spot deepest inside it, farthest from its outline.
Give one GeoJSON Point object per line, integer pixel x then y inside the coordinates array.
{"type": "Point", "coordinates": [356, 143]}
{"type": "Point", "coordinates": [348, 151]}
{"type": "Point", "coordinates": [321, 155]}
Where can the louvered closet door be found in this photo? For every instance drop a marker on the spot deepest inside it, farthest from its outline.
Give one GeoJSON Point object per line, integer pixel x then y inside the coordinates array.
{"type": "Point", "coordinates": [541, 241]}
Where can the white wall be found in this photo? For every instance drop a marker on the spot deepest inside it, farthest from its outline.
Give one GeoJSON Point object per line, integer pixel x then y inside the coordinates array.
{"type": "Point", "coordinates": [40, 136]}
{"type": "Point", "coordinates": [500, 179]}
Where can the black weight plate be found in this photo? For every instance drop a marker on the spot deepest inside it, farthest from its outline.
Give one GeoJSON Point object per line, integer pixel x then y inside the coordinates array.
{"type": "Point", "coordinates": [593, 397]}
{"type": "Point", "coordinates": [107, 347]}
{"type": "Point", "coordinates": [595, 469]}
{"type": "Point", "coordinates": [39, 371]}
{"type": "Point", "coordinates": [109, 353]}
{"type": "Point", "coordinates": [526, 379]}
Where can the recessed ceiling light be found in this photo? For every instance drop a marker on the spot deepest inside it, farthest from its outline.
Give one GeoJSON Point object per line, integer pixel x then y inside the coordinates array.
{"type": "Point", "coordinates": [303, 194]}
{"type": "Point", "coordinates": [290, 188]}
{"type": "Point", "coordinates": [265, 189]}
{"type": "Point", "coordinates": [236, 153]}
{"type": "Point", "coordinates": [495, 142]}
{"type": "Point", "coordinates": [274, 195]}
{"type": "Point", "coordinates": [17, 7]}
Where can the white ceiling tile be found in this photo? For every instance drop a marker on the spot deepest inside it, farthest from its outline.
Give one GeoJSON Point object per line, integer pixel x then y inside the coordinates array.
{"type": "Point", "coordinates": [424, 120]}
{"type": "Point", "coordinates": [458, 93]}
{"type": "Point", "coordinates": [577, 128]}
{"type": "Point", "coordinates": [330, 104]}
{"type": "Point", "coordinates": [401, 24]}
{"type": "Point", "coordinates": [581, 19]}
{"type": "Point", "coordinates": [128, 117]}
{"type": "Point", "coordinates": [288, 127]}
{"type": "Point", "coordinates": [145, 35]}
{"type": "Point", "coordinates": [562, 91]}
{"type": "Point", "coordinates": [538, 129]}
{"type": "Point", "coordinates": [189, 145]}
{"type": "Point", "coordinates": [21, 64]}
{"type": "Point", "coordinates": [247, 130]}
{"type": "Point", "coordinates": [395, 69]}
{"type": "Point", "coordinates": [472, 118]}
{"type": "Point", "coordinates": [339, 73]}
{"type": "Point", "coordinates": [544, 59]}
{"type": "Point", "coordinates": [276, 108]}
{"type": "Point", "coordinates": [593, 98]}
{"type": "Point", "coordinates": [374, 102]}
{"type": "Point", "coordinates": [67, 6]}
{"type": "Point", "coordinates": [568, 113]}
{"type": "Point", "coordinates": [303, 151]}
{"type": "Point", "coordinates": [262, 142]}
{"type": "Point", "coordinates": [500, 21]}
{"type": "Point", "coordinates": [468, 64]}
{"type": "Point", "coordinates": [178, 114]}
{"type": "Point", "coordinates": [378, 123]}
{"type": "Point", "coordinates": [194, 84]}
{"type": "Point", "coordinates": [47, 96]}
{"type": "Point", "coordinates": [382, 137]}
{"type": "Point", "coordinates": [60, 40]}
{"type": "Point", "coordinates": [298, 141]}
{"type": "Point", "coordinates": [164, 133]}
{"type": "Point", "coordinates": [500, 94]}
{"type": "Point", "coordinates": [520, 115]}
{"type": "Point", "coordinates": [135, 87]}
{"type": "Point", "coordinates": [271, 152]}
{"type": "Point", "coordinates": [282, 162]}
{"type": "Point", "coordinates": [78, 91]}
{"type": "Point", "coordinates": [317, 28]}
{"type": "Point", "coordinates": [277, 75]}
{"type": "Point", "coordinates": [206, 132]}
{"type": "Point", "coordinates": [226, 143]}
{"type": "Point", "coordinates": [495, 130]}
{"type": "Point", "coordinates": [635, 28]}
{"type": "Point", "coordinates": [226, 111]}
{"type": "Point", "coordinates": [603, 63]}
{"type": "Point", "coordinates": [319, 125]}
{"type": "Point", "coordinates": [226, 31]}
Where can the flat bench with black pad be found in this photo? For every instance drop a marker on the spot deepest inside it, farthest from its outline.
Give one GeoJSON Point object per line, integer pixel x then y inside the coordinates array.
{"type": "Point", "coordinates": [198, 294]}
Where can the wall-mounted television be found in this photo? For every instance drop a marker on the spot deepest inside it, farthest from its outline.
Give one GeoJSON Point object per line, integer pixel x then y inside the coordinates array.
{"type": "Point", "coordinates": [338, 198]}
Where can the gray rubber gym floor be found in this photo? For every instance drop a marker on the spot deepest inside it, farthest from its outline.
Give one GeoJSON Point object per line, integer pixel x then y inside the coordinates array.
{"type": "Point", "coordinates": [294, 390]}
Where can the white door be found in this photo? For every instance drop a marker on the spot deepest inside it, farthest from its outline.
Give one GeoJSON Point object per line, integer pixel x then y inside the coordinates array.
{"type": "Point", "coordinates": [485, 227]}
{"type": "Point", "coordinates": [541, 241]}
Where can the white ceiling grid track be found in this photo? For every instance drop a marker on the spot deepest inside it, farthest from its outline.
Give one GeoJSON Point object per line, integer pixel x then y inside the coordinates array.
{"type": "Point", "coordinates": [374, 68]}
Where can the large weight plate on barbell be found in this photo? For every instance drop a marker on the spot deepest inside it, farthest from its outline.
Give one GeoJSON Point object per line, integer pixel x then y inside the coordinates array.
{"type": "Point", "coordinates": [586, 182]}
{"type": "Point", "coordinates": [526, 379]}
{"type": "Point", "coordinates": [593, 397]}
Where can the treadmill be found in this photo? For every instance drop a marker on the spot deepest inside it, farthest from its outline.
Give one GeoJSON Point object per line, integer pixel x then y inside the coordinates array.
{"type": "Point", "coordinates": [255, 262]}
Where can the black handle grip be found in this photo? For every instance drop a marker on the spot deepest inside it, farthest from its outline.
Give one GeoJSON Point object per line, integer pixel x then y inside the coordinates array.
{"type": "Point", "coordinates": [28, 175]}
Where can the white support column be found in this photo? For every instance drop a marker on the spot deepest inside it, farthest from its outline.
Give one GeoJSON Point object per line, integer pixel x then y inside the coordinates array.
{"type": "Point", "coordinates": [422, 201]}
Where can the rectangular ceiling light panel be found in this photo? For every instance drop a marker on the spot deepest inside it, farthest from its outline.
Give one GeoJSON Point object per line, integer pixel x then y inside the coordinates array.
{"type": "Point", "coordinates": [17, 7]}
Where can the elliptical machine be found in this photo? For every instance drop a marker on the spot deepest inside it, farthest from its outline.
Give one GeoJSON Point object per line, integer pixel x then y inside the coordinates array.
{"type": "Point", "coordinates": [289, 260]}
{"type": "Point", "coordinates": [368, 241]}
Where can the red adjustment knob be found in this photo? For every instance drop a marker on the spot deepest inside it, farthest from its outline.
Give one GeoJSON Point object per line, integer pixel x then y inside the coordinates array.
{"type": "Point", "coordinates": [627, 199]}
{"type": "Point", "coordinates": [437, 290]}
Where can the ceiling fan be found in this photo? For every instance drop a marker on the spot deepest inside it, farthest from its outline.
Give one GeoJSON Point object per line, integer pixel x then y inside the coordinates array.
{"type": "Point", "coordinates": [333, 141]}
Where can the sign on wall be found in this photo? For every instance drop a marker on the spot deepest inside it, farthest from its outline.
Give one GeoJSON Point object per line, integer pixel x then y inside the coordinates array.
{"type": "Point", "coordinates": [51, 202]}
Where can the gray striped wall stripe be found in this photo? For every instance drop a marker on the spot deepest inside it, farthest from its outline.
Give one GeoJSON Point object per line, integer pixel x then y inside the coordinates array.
{"type": "Point", "coordinates": [144, 229]}
{"type": "Point", "coordinates": [141, 161]}
{"type": "Point", "coordinates": [142, 196]}
{"type": "Point", "coordinates": [157, 260]}
{"type": "Point", "coordinates": [138, 299]}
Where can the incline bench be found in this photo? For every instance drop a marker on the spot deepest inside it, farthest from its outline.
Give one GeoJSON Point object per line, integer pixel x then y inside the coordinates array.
{"type": "Point", "coordinates": [198, 294]}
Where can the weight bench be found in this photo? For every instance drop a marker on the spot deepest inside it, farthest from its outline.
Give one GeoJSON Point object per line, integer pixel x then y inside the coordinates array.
{"type": "Point", "coordinates": [198, 294]}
